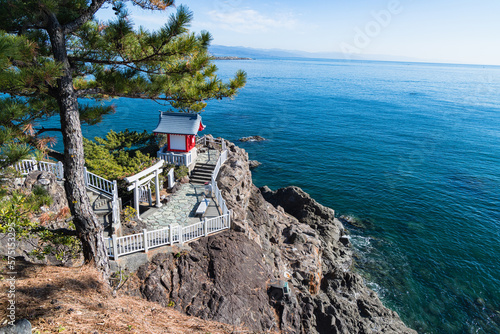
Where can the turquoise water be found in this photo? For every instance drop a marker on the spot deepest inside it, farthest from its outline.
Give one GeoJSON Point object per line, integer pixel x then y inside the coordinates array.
{"type": "Point", "coordinates": [411, 150]}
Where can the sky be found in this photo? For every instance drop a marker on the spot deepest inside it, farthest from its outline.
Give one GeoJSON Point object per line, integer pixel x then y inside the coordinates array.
{"type": "Point", "coordinates": [450, 31]}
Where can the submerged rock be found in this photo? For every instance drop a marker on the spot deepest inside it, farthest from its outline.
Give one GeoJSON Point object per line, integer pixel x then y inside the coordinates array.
{"type": "Point", "coordinates": [280, 235]}
{"type": "Point", "coordinates": [252, 138]}
{"type": "Point", "coordinates": [253, 164]}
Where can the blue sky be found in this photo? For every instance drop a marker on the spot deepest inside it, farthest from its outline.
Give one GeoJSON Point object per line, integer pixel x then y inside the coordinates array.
{"type": "Point", "coordinates": [457, 31]}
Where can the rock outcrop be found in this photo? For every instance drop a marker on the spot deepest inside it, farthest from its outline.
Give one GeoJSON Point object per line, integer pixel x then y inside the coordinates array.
{"type": "Point", "coordinates": [49, 182]}
{"type": "Point", "coordinates": [252, 138]}
{"type": "Point", "coordinates": [253, 164]}
{"type": "Point", "coordinates": [222, 278]}
{"type": "Point", "coordinates": [282, 235]}
{"type": "Point", "coordinates": [52, 217]}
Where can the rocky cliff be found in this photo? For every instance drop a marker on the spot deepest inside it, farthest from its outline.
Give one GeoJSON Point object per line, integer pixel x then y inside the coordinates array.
{"type": "Point", "coordinates": [276, 237]}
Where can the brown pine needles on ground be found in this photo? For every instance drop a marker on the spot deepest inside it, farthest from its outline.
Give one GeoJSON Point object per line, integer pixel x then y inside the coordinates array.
{"type": "Point", "coordinates": [76, 300]}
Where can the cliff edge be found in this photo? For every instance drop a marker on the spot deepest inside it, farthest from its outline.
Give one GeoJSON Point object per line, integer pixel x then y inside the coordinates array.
{"type": "Point", "coordinates": [277, 236]}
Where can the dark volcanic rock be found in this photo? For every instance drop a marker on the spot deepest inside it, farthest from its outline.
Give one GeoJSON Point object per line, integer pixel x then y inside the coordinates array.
{"type": "Point", "coordinates": [283, 235]}
{"type": "Point", "coordinates": [223, 278]}
{"type": "Point", "coordinates": [252, 138]}
{"type": "Point", "coordinates": [253, 164]}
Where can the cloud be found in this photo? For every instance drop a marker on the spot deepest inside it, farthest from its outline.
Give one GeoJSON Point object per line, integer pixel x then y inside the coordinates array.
{"type": "Point", "coordinates": [250, 21]}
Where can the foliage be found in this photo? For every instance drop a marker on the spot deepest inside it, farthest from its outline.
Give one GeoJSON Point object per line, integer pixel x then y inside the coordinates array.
{"type": "Point", "coordinates": [119, 154]}
{"type": "Point", "coordinates": [180, 172]}
{"type": "Point", "coordinates": [116, 141]}
{"type": "Point", "coordinates": [17, 115]}
{"type": "Point", "coordinates": [107, 59]}
{"type": "Point", "coordinates": [40, 196]}
{"type": "Point", "coordinates": [16, 217]}
{"type": "Point", "coordinates": [129, 214]}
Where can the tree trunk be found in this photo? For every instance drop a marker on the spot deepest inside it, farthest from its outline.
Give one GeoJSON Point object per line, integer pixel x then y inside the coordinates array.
{"type": "Point", "coordinates": [88, 227]}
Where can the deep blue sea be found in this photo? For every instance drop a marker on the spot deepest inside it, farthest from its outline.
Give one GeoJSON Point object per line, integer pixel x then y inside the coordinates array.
{"type": "Point", "coordinates": [411, 150]}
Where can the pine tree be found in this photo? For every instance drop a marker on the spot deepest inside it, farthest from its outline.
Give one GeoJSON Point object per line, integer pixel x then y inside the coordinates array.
{"type": "Point", "coordinates": [73, 55]}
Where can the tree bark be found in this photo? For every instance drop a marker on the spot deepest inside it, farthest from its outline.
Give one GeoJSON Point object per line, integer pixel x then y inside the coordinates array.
{"type": "Point", "coordinates": [88, 227]}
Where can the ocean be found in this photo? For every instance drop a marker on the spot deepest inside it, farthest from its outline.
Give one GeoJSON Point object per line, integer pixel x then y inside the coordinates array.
{"type": "Point", "coordinates": [410, 151]}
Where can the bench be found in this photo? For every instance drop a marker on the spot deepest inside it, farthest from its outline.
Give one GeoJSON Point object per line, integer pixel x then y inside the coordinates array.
{"type": "Point", "coordinates": [202, 208]}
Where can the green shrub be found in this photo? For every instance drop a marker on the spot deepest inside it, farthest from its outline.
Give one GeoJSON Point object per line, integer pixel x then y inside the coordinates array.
{"type": "Point", "coordinates": [41, 196]}
{"type": "Point", "coordinates": [119, 154]}
{"type": "Point", "coordinates": [180, 172]}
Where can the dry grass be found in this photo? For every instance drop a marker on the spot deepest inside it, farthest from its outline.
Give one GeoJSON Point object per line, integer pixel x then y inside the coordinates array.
{"type": "Point", "coordinates": [76, 300]}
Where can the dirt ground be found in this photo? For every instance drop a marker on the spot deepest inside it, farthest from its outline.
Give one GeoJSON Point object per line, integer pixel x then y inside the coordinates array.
{"type": "Point", "coordinates": [77, 300]}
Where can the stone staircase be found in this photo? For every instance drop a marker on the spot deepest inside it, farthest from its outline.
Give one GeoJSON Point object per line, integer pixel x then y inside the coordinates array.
{"type": "Point", "coordinates": [202, 173]}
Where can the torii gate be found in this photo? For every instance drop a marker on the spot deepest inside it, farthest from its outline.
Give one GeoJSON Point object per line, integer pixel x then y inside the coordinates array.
{"type": "Point", "coordinates": [146, 175]}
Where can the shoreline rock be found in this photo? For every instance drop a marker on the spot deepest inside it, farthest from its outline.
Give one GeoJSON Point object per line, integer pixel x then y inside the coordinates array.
{"type": "Point", "coordinates": [276, 235]}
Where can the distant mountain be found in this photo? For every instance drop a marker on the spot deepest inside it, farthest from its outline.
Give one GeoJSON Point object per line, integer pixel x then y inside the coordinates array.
{"type": "Point", "coordinates": [242, 51]}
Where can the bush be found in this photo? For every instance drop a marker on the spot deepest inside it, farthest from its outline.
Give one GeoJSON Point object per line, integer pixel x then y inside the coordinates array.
{"type": "Point", "coordinates": [180, 172]}
{"type": "Point", "coordinates": [119, 154]}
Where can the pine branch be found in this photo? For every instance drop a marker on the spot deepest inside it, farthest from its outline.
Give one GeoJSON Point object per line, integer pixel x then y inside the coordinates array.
{"type": "Point", "coordinates": [86, 16]}
{"type": "Point", "coordinates": [55, 154]}
{"type": "Point", "coordinates": [42, 130]}
{"type": "Point", "coordinates": [127, 62]}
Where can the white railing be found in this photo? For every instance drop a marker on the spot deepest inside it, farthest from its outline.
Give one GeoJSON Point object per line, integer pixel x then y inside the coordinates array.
{"type": "Point", "coordinates": [27, 166]}
{"type": "Point", "coordinates": [119, 246]}
{"type": "Point", "coordinates": [178, 159]}
{"type": "Point", "coordinates": [55, 168]}
{"type": "Point", "coordinates": [98, 183]}
{"type": "Point", "coordinates": [106, 188]}
{"type": "Point", "coordinates": [215, 189]}
{"type": "Point", "coordinates": [218, 223]}
{"type": "Point", "coordinates": [128, 244]}
{"type": "Point", "coordinates": [193, 231]}
{"type": "Point", "coordinates": [175, 234]}
{"type": "Point", "coordinates": [158, 238]}
{"type": "Point", "coordinates": [220, 200]}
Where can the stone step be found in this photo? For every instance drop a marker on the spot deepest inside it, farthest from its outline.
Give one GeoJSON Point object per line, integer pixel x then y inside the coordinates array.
{"type": "Point", "coordinates": [200, 182]}
{"type": "Point", "coordinates": [201, 173]}
{"type": "Point", "coordinates": [205, 166]}
{"type": "Point", "coordinates": [201, 176]}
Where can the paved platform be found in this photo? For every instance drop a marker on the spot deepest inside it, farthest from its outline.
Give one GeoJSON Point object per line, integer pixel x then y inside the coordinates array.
{"type": "Point", "coordinates": [181, 208]}
{"type": "Point", "coordinates": [206, 156]}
